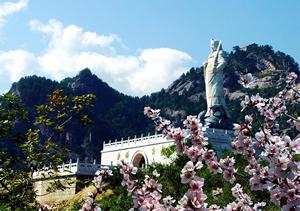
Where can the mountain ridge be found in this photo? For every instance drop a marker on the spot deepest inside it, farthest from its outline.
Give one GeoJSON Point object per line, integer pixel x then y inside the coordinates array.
{"type": "Point", "coordinates": [118, 115]}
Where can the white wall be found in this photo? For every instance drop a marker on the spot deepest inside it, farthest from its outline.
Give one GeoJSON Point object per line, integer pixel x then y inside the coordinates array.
{"type": "Point", "coordinates": [150, 147]}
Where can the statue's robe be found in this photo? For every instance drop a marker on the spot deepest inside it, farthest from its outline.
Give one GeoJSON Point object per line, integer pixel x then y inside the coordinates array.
{"type": "Point", "coordinates": [213, 76]}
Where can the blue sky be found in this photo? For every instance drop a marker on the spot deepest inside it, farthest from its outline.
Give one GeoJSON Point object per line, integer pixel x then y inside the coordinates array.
{"type": "Point", "coordinates": [137, 46]}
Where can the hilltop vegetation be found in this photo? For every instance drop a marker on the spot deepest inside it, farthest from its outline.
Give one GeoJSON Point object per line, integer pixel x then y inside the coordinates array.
{"type": "Point", "coordinates": [117, 115]}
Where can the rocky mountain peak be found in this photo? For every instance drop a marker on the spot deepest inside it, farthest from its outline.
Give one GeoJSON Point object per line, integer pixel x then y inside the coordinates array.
{"type": "Point", "coordinates": [116, 115]}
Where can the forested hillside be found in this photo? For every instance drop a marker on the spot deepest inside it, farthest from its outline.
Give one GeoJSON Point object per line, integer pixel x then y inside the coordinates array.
{"type": "Point", "coordinates": [117, 115]}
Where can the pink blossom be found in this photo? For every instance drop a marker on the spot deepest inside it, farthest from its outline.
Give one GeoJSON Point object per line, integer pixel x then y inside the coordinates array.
{"type": "Point", "coordinates": [130, 186]}
{"type": "Point", "coordinates": [197, 183]}
{"type": "Point", "coordinates": [270, 115]}
{"type": "Point", "coordinates": [138, 201]}
{"type": "Point", "coordinates": [258, 101]}
{"type": "Point", "coordinates": [199, 139]}
{"type": "Point", "coordinates": [237, 147]}
{"type": "Point", "coordinates": [155, 173]}
{"type": "Point", "coordinates": [150, 204]}
{"type": "Point", "coordinates": [278, 173]}
{"type": "Point", "coordinates": [243, 129]}
{"type": "Point", "coordinates": [264, 172]}
{"type": "Point", "coordinates": [248, 119]}
{"type": "Point", "coordinates": [197, 198]}
{"type": "Point", "coordinates": [126, 168]}
{"type": "Point", "coordinates": [283, 162]}
{"type": "Point", "coordinates": [256, 183]}
{"type": "Point", "coordinates": [125, 179]}
{"type": "Point", "coordinates": [187, 173]}
{"type": "Point", "coordinates": [153, 114]}
{"type": "Point", "coordinates": [276, 101]}
{"type": "Point", "coordinates": [97, 181]}
{"type": "Point", "coordinates": [245, 102]}
{"type": "Point", "coordinates": [228, 162]}
{"type": "Point", "coordinates": [216, 193]}
{"type": "Point", "coordinates": [168, 201]}
{"type": "Point", "coordinates": [192, 122]}
{"type": "Point", "coordinates": [237, 192]}
{"type": "Point", "coordinates": [292, 194]}
{"type": "Point", "coordinates": [176, 134]}
{"type": "Point", "coordinates": [208, 155]}
{"type": "Point", "coordinates": [140, 192]}
{"type": "Point", "coordinates": [237, 128]}
{"type": "Point", "coordinates": [295, 145]}
{"type": "Point", "coordinates": [214, 207]}
{"type": "Point", "coordinates": [152, 184]}
{"type": "Point", "coordinates": [258, 206]}
{"type": "Point", "coordinates": [281, 110]}
{"type": "Point", "coordinates": [260, 139]}
{"type": "Point", "coordinates": [183, 203]}
{"type": "Point", "coordinates": [234, 206]}
{"type": "Point", "coordinates": [194, 152]}
{"type": "Point", "coordinates": [228, 175]}
{"type": "Point", "coordinates": [276, 196]}
{"type": "Point", "coordinates": [155, 195]}
{"type": "Point", "coordinates": [214, 167]}
{"type": "Point", "coordinates": [246, 80]}
{"type": "Point", "coordinates": [271, 149]}
{"type": "Point", "coordinates": [163, 123]}
{"type": "Point", "coordinates": [180, 147]}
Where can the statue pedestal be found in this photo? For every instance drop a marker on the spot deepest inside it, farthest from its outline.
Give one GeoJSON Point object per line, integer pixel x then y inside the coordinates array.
{"type": "Point", "coordinates": [220, 138]}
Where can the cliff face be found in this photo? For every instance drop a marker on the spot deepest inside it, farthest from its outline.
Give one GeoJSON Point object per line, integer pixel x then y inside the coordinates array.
{"type": "Point", "coordinates": [264, 63]}
{"type": "Point", "coordinates": [261, 61]}
{"type": "Point", "coordinates": [117, 115]}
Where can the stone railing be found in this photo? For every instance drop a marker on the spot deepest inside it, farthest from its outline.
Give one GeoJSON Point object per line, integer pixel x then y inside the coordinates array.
{"type": "Point", "coordinates": [138, 140]}
{"type": "Point", "coordinates": [133, 141]}
{"type": "Point", "coordinates": [214, 134]}
{"type": "Point", "coordinates": [220, 138]}
{"type": "Point", "coordinates": [78, 168]}
{"type": "Point", "coordinates": [219, 131]}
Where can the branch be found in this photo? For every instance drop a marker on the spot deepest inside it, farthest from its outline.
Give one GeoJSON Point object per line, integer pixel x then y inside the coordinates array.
{"type": "Point", "coordinates": [62, 124]}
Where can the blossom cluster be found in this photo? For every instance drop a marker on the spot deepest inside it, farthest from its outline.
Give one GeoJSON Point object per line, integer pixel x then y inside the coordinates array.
{"type": "Point", "coordinates": [243, 201]}
{"type": "Point", "coordinates": [148, 195]}
{"type": "Point", "coordinates": [271, 151]}
{"type": "Point", "coordinates": [90, 204]}
{"type": "Point", "coordinates": [199, 155]}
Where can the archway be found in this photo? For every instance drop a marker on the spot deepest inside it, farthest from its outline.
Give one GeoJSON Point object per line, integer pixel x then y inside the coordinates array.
{"type": "Point", "coordinates": [139, 160]}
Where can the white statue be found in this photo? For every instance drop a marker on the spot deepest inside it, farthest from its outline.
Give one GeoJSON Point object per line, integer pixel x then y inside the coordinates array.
{"type": "Point", "coordinates": [216, 115]}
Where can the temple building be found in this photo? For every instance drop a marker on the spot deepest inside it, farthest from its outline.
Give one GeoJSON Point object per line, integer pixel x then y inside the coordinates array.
{"type": "Point", "coordinates": [144, 150]}
{"type": "Point", "coordinates": [140, 151]}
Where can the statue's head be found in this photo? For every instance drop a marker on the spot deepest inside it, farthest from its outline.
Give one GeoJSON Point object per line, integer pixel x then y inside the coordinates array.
{"type": "Point", "coordinates": [214, 44]}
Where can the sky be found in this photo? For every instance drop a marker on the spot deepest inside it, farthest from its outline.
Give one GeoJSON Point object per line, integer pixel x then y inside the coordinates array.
{"type": "Point", "coordinates": [136, 46]}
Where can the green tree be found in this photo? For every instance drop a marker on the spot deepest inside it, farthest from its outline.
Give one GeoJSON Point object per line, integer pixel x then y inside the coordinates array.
{"type": "Point", "coordinates": [25, 149]}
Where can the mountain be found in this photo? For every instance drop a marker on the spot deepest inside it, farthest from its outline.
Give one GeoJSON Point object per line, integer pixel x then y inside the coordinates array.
{"type": "Point", "coordinates": [117, 115]}
{"type": "Point", "coordinates": [186, 95]}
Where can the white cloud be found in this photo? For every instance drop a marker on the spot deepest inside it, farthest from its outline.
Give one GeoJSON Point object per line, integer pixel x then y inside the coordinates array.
{"type": "Point", "coordinates": [71, 49]}
{"type": "Point", "coordinates": [157, 68]}
{"type": "Point", "coordinates": [15, 64]}
{"type": "Point", "coordinates": [73, 38]}
{"type": "Point", "coordinates": [8, 8]}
